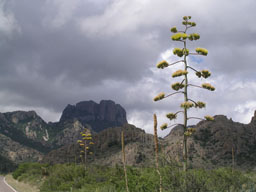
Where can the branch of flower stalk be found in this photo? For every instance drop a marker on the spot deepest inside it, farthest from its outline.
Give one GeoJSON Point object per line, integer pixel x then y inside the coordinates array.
{"type": "Point", "coordinates": [195, 86]}
{"type": "Point", "coordinates": [193, 101]}
{"type": "Point", "coordinates": [176, 62]}
{"type": "Point", "coordinates": [181, 41]}
{"type": "Point", "coordinates": [196, 54]}
{"type": "Point", "coordinates": [179, 112]}
{"type": "Point", "coordinates": [174, 93]}
{"type": "Point", "coordinates": [175, 125]}
{"type": "Point", "coordinates": [193, 69]}
{"type": "Point", "coordinates": [196, 118]}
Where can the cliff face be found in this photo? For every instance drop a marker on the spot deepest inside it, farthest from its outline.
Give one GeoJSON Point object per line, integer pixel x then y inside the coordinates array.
{"type": "Point", "coordinates": [99, 116]}
{"type": "Point", "coordinates": [16, 152]}
{"type": "Point", "coordinates": [26, 128]}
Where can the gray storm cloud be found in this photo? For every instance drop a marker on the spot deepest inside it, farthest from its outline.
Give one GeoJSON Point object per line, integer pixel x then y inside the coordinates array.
{"type": "Point", "coordinates": [57, 52]}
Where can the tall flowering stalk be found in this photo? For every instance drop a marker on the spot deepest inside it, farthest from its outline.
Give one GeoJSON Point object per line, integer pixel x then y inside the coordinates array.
{"type": "Point", "coordinates": [181, 87]}
{"type": "Point", "coordinates": [156, 153]}
{"type": "Point", "coordinates": [124, 161]}
{"type": "Point", "coordinates": [84, 144]}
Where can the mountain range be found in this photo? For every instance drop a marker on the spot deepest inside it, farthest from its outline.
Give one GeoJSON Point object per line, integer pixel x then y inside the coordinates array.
{"type": "Point", "coordinates": [25, 136]}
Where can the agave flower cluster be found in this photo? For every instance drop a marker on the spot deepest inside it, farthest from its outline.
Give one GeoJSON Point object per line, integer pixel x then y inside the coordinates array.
{"type": "Point", "coordinates": [159, 97]}
{"type": "Point", "coordinates": [189, 131]}
{"type": "Point", "coordinates": [85, 143]}
{"type": "Point", "coordinates": [183, 85]}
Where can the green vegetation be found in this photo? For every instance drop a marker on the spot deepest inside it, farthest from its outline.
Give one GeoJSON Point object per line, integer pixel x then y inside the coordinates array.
{"type": "Point", "coordinates": [67, 177]}
{"type": "Point", "coordinates": [6, 165]}
{"type": "Point", "coordinates": [183, 85]}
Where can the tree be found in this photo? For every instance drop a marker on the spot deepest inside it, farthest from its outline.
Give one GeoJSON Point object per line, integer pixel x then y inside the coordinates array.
{"type": "Point", "coordinates": [182, 86]}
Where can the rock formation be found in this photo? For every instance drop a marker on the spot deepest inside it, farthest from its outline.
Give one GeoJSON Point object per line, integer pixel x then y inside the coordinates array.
{"type": "Point", "coordinates": [212, 143]}
{"type": "Point", "coordinates": [99, 116]}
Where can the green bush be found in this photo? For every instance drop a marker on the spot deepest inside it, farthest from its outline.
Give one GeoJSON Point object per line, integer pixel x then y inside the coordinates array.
{"type": "Point", "coordinates": [6, 165]}
{"type": "Point", "coordinates": [64, 177]}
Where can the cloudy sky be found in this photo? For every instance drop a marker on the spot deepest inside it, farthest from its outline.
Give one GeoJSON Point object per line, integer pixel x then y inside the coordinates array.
{"type": "Point", "coordinates": [59, 52]}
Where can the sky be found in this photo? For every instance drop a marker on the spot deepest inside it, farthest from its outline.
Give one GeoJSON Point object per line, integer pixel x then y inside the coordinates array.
{"type": "Point", "coordinates": [56, 52]}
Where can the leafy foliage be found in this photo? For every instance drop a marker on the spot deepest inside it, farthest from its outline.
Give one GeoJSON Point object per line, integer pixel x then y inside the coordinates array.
{"type": "Point", "coordinates": [64, 177]}
{"type": "Point", "coordinates": [6, 165]}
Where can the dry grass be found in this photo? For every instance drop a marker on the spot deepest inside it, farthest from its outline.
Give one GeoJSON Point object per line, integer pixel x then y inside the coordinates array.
{"type": "Point", "coordinates": [20, 186]}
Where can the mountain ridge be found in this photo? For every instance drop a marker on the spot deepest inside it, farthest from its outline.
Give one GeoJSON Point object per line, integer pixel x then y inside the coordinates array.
{"type": "Point", "coordinates": [25, 136]}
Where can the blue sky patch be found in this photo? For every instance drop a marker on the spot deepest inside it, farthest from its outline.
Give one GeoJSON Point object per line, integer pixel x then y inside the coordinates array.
{"type": "Point", "coordinates": [196, 59]}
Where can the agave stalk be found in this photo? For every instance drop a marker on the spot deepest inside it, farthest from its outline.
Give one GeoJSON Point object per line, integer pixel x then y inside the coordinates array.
{"type": "Point", "coordinates": [124, 162]}
{"type": "Point", "coordinates": [85, 143]}
{"type": "Point", "coordinates": [183, 85]}
{"type": "Point", "coordinates": [233, 159]}
{"type": "Point", "coordinates": [185, 150]}
{"type": "Point", "coordinates": [156, 153]}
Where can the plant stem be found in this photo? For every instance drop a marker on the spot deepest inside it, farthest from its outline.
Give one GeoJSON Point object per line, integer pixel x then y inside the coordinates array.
{"type": "Point", "coordinates": [156, 152]}
{"type": "Point", "coordinates": [185, 113]}
{"type": "Point", "coordinates": [233, 159]}
{"type": "Point", "coordinates": [124, 164]}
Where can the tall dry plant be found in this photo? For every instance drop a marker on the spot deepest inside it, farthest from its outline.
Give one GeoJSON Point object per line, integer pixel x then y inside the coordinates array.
{"type": "Point", "coordinates": [156, 153]}
{"type": "Point", "coordinates": [181, 87]}
{"type": "Point", "coordinates": [233, 159]}
{"type": "Point", "coordinates": [124, 162]}
{"type": "Point", "coordinates": [85, 145]}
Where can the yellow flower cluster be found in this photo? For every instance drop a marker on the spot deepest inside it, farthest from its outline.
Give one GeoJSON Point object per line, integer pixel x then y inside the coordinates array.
{"type": "Point", "coordinates": [200, 104]}
{"type": "Point", "coordinates": [162, 64]}
{"type": "Point", "coordinates": [208, 86]}
{"type": "Point", "coordinates": [180, 52]}
{"type": "Point", "coordinates": [193, 24]}
{"type": "Point", "coordinates": [194, 36]}
{"type": "Point", "coordinates": [177, 86]}
{"type": "Point", "coordinates": [164, 126]}
{"type": "Point", "coordinates": [202, 51]}
{"type": "Point", "coordinates": [186, 17]}
{"type": "Point", "coordinates": [186, 22]}
{"type": "Point", "coordinates": [179, 36]}
{"type": "Point", "coordinates": [187, 105]}
{"type": "Point", "coordinates": [87, 138]}
{"type": "Point", "coordinates": [86, 135]}
{"type": "Point", "coordinates": [189, 131]}
{"type": "Point", "coordinates": [206, 73]}
{"type": "Point", "coordinates": [179, 73]}
{"type": "Point", "coordinates": [174, 29]}
{"type": "Point", "coordinates": [159, 97]}
{"type": "Point", "coordinates": [171, 116]}
{"type": "Point", "coordinates": [209, 118]}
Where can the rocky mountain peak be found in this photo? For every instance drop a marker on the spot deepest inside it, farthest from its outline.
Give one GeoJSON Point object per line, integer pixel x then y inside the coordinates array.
{"type": "Point", "coordinates": [100, 116]}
